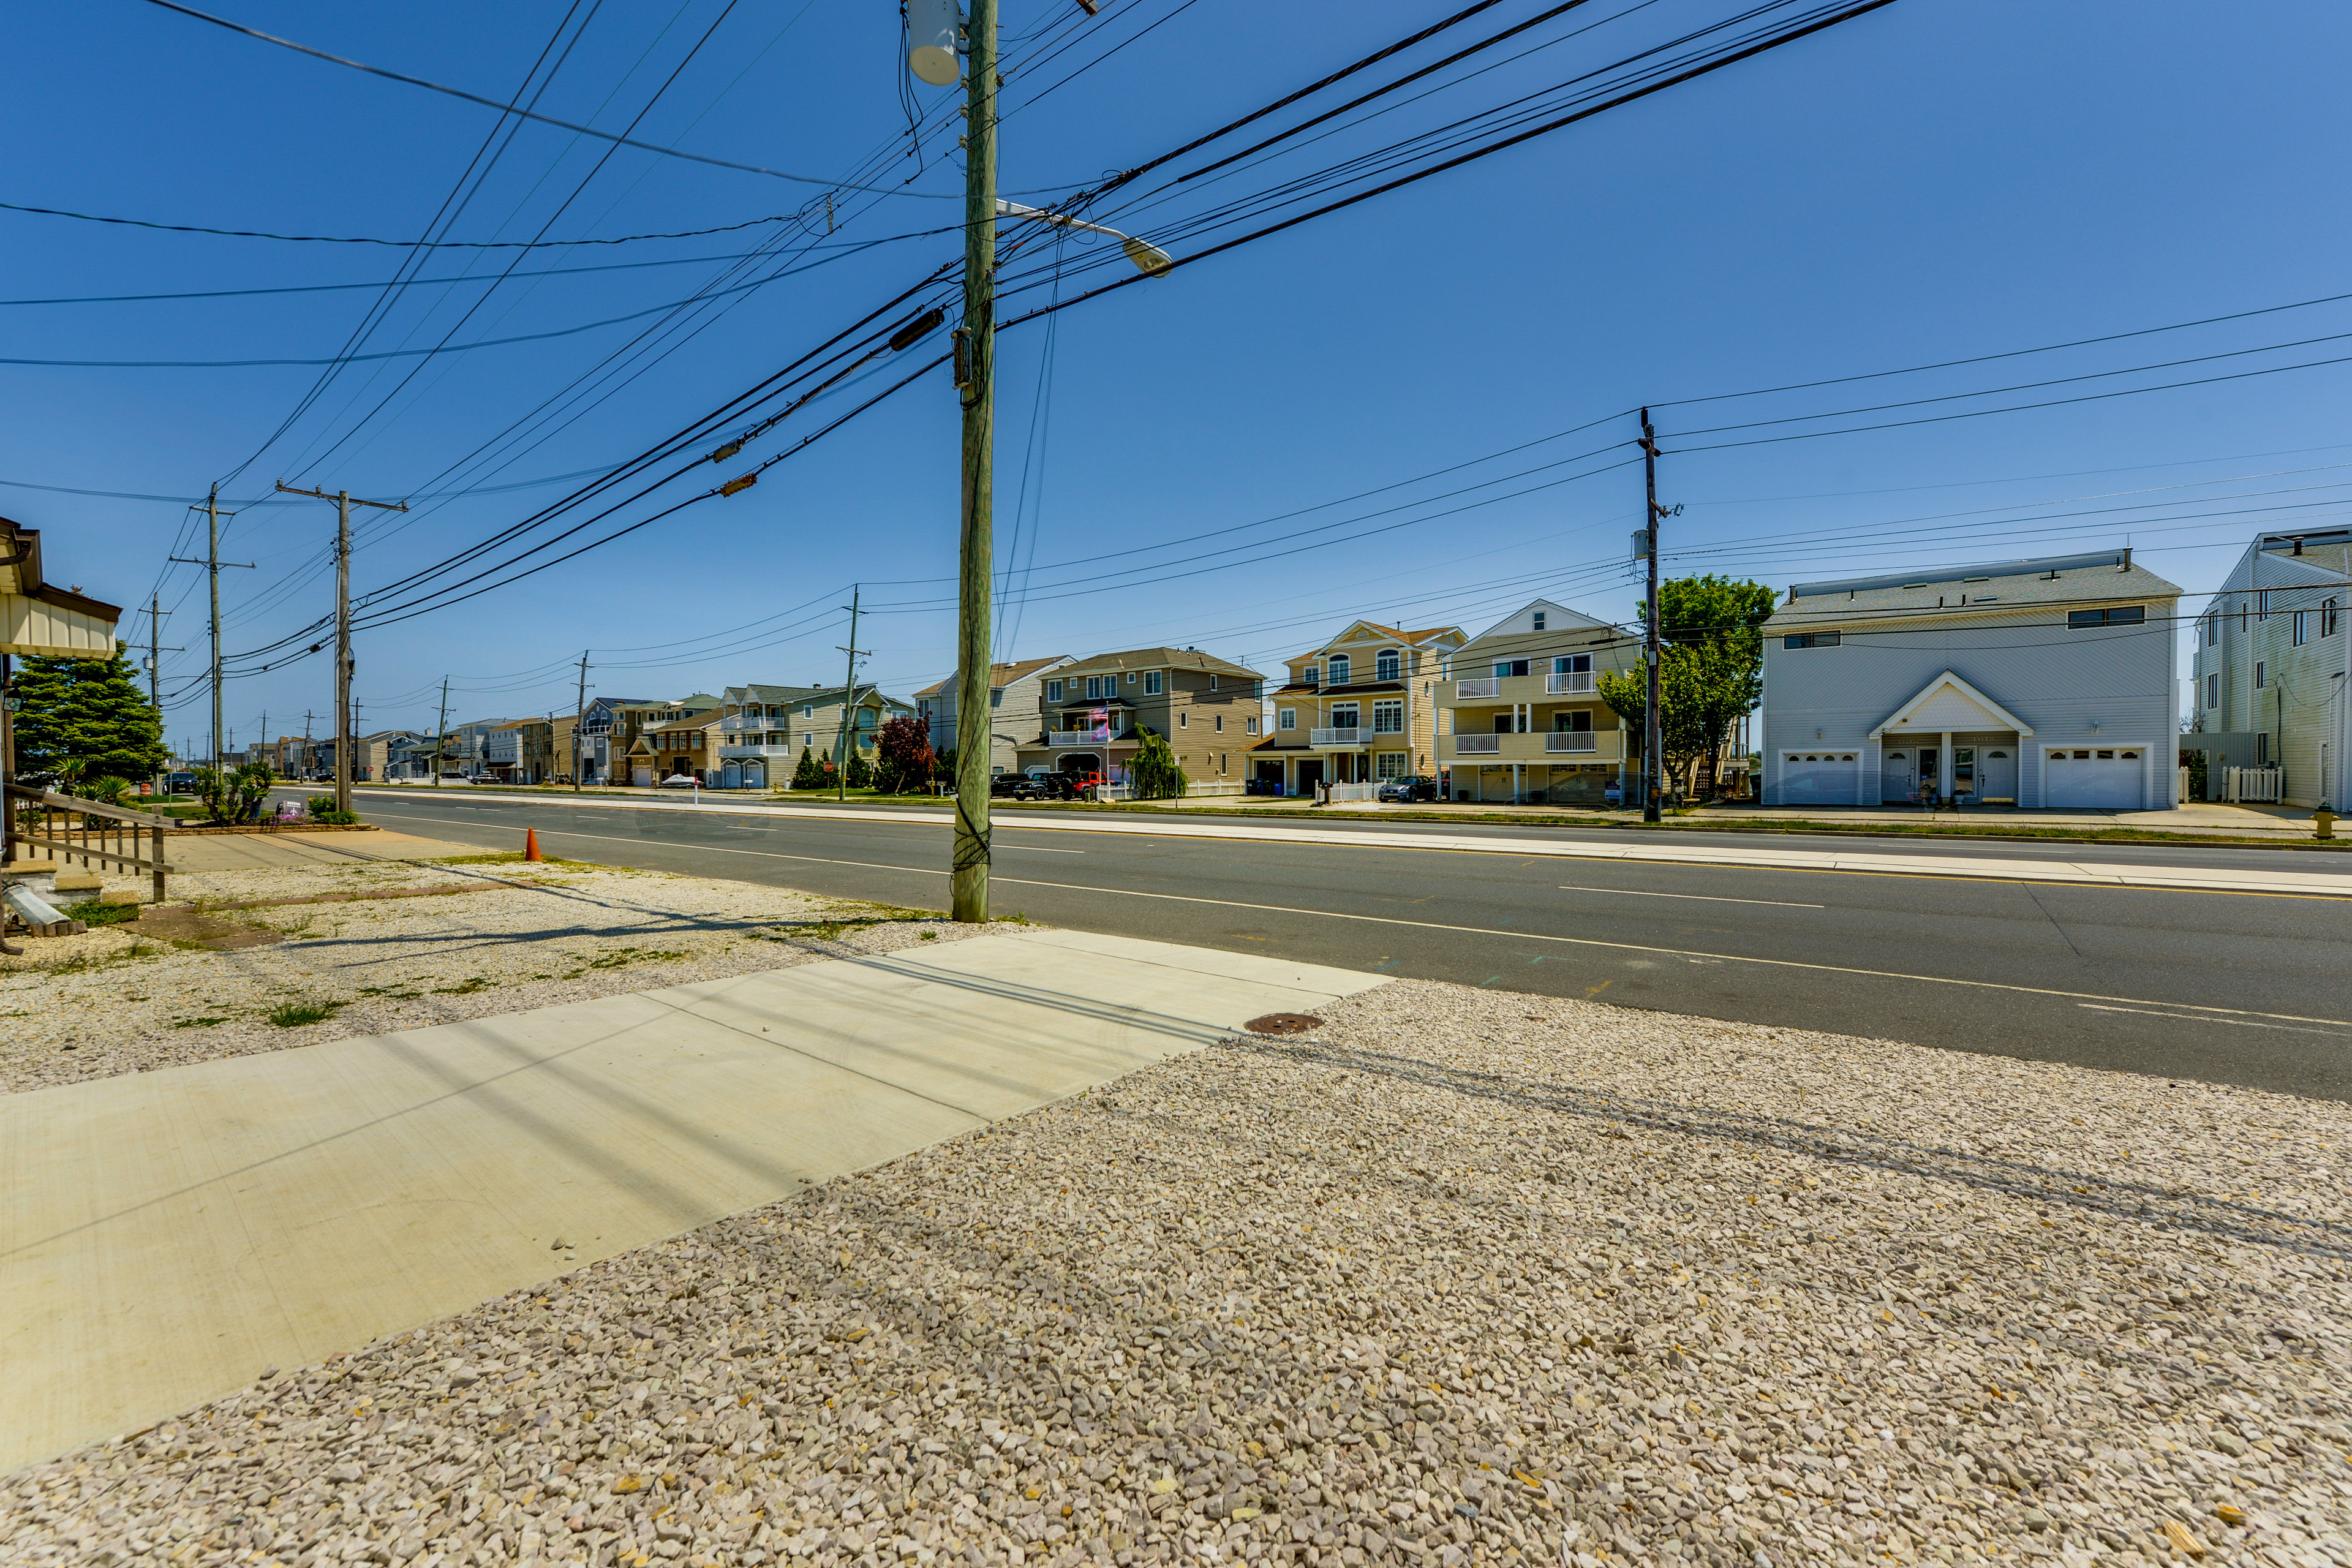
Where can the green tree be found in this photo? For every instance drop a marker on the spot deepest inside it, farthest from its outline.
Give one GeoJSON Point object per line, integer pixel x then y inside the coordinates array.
{"type": "Point", "coordinates": [809, 773]}
{"type": "Point", "coordinates": [84, 718]}
{"type": "Point", "coordinates": [1155, 773]}
{"type": "Point", "coordinates": [861, 771]}
{"type": "Point", "coordinates": [1712, 672]}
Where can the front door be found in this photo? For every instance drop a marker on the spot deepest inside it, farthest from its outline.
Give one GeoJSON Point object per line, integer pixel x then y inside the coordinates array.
{"type": "Point", "coordinates": [1310, 775]}
{"type": "Point", "coordinates": [1899, 777]}
{"type": "Point", "coordinates": [1997, 773]}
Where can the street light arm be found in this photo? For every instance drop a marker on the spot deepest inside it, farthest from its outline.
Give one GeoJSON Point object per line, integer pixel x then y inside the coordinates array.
{"type": "Point", "coordinates": [1149, 259]}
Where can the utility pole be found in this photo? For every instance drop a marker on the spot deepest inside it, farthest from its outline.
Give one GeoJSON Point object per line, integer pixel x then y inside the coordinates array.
{"type": "Point", "coordinates": [978, 389]}
{"type": "Point", "coordinates": [212, 563]}
{"type": "Point", "coordinates": [306, 745]}
{"type": "Point", "coordinates": [343, 499]}
{"type": "Point", "coordinates": [156, 651]}
{"type": "Point", "coordinates": [579, 719]}
{"type": "Point", "coordinates": [440, 729]}
{"type": "Point", "coordinates": [848, 693]}
{"type": "Point", "coordinates": [1651, 730]}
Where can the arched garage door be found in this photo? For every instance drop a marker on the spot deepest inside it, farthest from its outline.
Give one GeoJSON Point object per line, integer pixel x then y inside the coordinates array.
{"type": "Point", "coordinates": [2094, 778]}
{"type": "Point", "coordinates": [1817, 778]}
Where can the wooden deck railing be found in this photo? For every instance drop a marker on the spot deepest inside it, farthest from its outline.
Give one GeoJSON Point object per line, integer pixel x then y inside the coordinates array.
{"type": "Point", "coordinates": [86, 830]}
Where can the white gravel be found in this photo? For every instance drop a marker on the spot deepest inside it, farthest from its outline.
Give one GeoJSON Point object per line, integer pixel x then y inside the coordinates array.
{"type": "Point", "coordinates": [1462, 1275]}
{"type": "Point", "coordinates": [108, 1002]}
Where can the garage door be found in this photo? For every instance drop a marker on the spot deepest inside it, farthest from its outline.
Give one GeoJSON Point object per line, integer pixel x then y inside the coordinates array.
{"type": "Point", "coordinates": [2092, 779]}
{"type": "Point", "coordinates": [1817, 778]}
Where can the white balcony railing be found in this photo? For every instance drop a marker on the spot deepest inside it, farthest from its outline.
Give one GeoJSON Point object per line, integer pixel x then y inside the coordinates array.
{"type": "Point", "coordinates": [1569, 740]}
{"type": "Point", "coordinates": [751, 721]}
{"type": "Point", "coordinates": [1485, 686]}
{"type": "Point", "coordinates": [1350, 736]}
{"type": "Point", "coordinates": [1558, 684]}
{"type": "Point", "coordinates": [1077, 737]}
{"type": "Point", "coordinates": [749, 751]}
{"type": "Point", "coordinates": [1465, 745]}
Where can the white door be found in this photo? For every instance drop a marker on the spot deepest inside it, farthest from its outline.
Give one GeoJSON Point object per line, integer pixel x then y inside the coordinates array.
{"type": "Point", "coordinates": [2095, 778]}
{"type": "Point", "coordinates": [1817, 778]}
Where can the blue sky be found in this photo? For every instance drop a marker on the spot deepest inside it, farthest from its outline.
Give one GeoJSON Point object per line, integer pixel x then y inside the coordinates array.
{"type": "Point", "coordinates": [1931, 182]}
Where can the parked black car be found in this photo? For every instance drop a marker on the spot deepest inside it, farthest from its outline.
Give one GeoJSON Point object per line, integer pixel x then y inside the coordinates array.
{"type": "Point", "coordinates": [1412, 787]}
{"type": "Point", "coordinates": [1016, 786]}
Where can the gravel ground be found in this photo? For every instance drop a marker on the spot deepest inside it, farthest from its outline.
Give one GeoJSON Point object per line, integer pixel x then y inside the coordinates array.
{"type": "Point", "coordinates": [109, 1002]}
{"type": "Point", "coordinates": [1460, 1276]}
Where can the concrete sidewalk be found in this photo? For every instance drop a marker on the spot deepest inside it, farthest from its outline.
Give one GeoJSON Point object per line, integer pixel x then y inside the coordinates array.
{"type": "Point", "coordinates": [167, 1237]}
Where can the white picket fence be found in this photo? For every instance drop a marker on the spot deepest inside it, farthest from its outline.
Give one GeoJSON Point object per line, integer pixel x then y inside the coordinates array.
{"type": "Point", "coordinates": [1355, 792]}
{"type": "Point", "coordinates": [2259, 785]}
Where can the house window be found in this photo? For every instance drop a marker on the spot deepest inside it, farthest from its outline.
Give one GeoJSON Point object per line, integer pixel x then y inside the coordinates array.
{"type": "Point", "coordinates": [2327, 618]}
{"type": "Point", "coordinates": [2120, 615]}
{"type": "Point", "coordinates": [808, 710]}
{"type": "Point", "coordinates": [1314, 675]}
{"type": "Point", "coordinates": [996, 697]}
{"type": "Point", "coordinates": [1388, 718]}
{"type": "Point", "coordinates": [2212, 630]}
{"type": "Point", "coordinates": [2263, 750]}
{"type": "Point", "coordinates": [1539, 620]}
{"type": "Point", "coordinates": [2302, 627]}
{"type": "Point", "coordinates": [1389, 666]}
{"type": "Point", "coordinates": [2212, 691]}
{"type": "Point", "coordinates": [1813, 640]}
{"type": "Point", "coordinates": [1213, 683]}
{"type": "Point", "coordinates": [1345, 716]}
{"type": "Point", "coordinates": [1342, 670]}
{"type": "Point", "coordinates": [1151, 683]}
{"type": "Point", "coordinates": [1053, 691]}
{"type": "Point", "coordinates": [2262, 604]}
{"type": "Point", "coordinates": [1391, 764]}
{"type": "Point", "coordinates": [1218, 723]}
{"type": "Point", "coordinates": [1250, 726]}
{"type": "Point", "coordinates": [1130, 678]}
{"type": "Point", "coordinates": [2261, 674]}
{"type": "Point", "coordinates": [1183, 720]}
{"type": "Point", "coordinates": [1575, 721]}
{"type": "Point", "coordinates": [1288, 718]}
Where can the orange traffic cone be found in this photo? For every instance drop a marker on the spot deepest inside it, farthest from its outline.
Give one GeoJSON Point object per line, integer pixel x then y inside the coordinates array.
{"type": "Point", "coordinates": [530, 843]}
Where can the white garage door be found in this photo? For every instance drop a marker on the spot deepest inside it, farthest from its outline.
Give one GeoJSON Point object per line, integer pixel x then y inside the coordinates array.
{"type": "Point", "coordinates": [2113, 779]}
{"type": "Point", "coordinates": [1817, 778]}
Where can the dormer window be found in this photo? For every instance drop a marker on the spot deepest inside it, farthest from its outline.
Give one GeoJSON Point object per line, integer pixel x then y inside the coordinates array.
{"type": "Point", "coordinates": [1314, 675]}
{"type": "Point", "coordinates": [1341, 668]}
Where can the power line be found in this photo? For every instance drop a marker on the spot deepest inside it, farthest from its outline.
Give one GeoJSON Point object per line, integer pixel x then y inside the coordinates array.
{"type": "Point", "coordinates": [397, 244]}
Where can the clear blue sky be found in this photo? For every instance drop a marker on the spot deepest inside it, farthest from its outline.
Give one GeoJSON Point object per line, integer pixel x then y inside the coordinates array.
{"type": "Point", "coordinates": [1931, 182]}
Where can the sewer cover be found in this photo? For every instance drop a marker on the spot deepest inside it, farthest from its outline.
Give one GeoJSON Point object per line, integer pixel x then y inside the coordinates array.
{"type": "Point", "coordinates": [1283, 1024]}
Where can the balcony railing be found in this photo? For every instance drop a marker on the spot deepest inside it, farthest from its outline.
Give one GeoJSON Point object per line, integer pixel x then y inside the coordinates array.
{"type": "Point", "coordinates": [1471, 690]}
{"type": "Point", "coordinates": [1558, 684]}
{"type": "Point", "coordinates": [1351, 736]}
{"type": "Point", "coordinates": [1077, 737]}
{"type": "Point", "coordinates": [1467, 744]}
{"type": "Point", "coordinates": [1569, 740]}
{"type": "Point", "coordinates": [751, 721]}
{"type": "Point", "coordinates": [757, 751]}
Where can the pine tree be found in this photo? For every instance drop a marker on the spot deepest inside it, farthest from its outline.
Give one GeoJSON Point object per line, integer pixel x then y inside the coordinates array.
{"type": "Point", "coordinates": [861, 771]}
{"type": "Point", "coordinates": [85, 718]}
{"type": "Point", "coordinates": [809, 773]}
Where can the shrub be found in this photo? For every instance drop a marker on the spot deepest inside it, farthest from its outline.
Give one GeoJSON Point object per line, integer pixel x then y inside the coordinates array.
{"type": "Point", "coordinates": [322, 808]}
{"type": "Point", "coordinates": [861, 771]}
{"type": "Point", "coordinates": [231, 796]}
{"type": "Point", "coordinates": [809, 773]}
{"type": "Point", "coordinates": [1155, 773]}
{"type": "Point", "coordinates": [905, 759]}
{"type": "Point", "coordinates": [294, 1014]}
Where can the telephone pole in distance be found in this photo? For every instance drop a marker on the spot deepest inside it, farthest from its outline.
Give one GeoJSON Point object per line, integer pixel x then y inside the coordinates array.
{"type": "Point", "coordinates": [579, 719]}
{"type": "Point", "coordinates": [212, 563]}
{"type": "Point", "coordinates": [343, 499]}
{"type": "Point", "coordinates": [848, 694]}
{"type": "Point", "coordinates": [440, 729]}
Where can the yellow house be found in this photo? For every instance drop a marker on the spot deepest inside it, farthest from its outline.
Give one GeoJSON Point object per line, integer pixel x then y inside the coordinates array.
{"type": "Point", "coordinates": [1359, 708]}
{"type": "Point", "coordinates": [1523, 715]}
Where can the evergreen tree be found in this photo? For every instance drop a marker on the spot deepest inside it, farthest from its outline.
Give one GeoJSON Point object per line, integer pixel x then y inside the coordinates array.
{"type": "Point", "coordinates": [84, 718]}
{"type": "Point", "coordinates": [1155, 771]}
{"type": "Point", "coordinates": [809, 773]}
{"type": "Point", "coordinates": [861, 771]}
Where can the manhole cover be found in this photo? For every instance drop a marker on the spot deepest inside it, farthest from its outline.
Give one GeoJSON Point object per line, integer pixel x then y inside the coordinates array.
{"type": "Point", "coordinates": [1283, 1024]}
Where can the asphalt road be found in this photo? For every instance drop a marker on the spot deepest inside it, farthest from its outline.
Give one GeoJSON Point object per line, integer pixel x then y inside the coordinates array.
{"type": "Point", "coordinates": [2248, 989]}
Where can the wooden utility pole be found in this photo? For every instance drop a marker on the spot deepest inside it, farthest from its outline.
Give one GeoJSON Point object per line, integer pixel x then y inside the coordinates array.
{"type": "Point", "coordinates": [212, 563]}
{"type": "Point", "coordinates": [848, 692]}
{"type": "Point", "coordinates": [976, 387]}
{"type": "Point", "coordinates": [156, 651]}
{"type": "Point", "coordinates": [1653, 732]}
{"type": "Point", "coordinates": [343, 499]}
{"type": "Point", "coordinates": [440, 729]}
{"type": "Point", "coordinates": [579, 719]}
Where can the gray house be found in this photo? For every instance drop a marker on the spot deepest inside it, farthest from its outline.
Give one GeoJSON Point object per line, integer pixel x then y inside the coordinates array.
{"type": "Point", "coordinates": [2270, 669]}
{"type": "Point", "coordinates": [2039, 683]}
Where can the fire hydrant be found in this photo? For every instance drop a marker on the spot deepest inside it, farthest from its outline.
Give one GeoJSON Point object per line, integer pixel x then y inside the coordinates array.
{"type": "Point", "coordinates": [2322, 822]}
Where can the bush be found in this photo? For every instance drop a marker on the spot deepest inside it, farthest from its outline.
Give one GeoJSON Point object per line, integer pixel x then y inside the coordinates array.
{"type": "Point", "coordinates": [231, 796]}
{"type": "Point", "coordinates": [905, 761]}
{"type": "Point", "coordinates": [809, 773]}
{"type": "Point", "coordinates": [861, 771]}
{"type": "Point", "coordinates": [322, 808]}
{"type": "Point", "coordinates": [1155, 773]}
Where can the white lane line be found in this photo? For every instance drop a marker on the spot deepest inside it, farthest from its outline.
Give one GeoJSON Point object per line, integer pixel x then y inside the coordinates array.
{"type": "Point", "coordinates": [1490, 930]}
{"type": "Point", "coordinates": [1703, 898]}
{"type": "Point", "coordinates": [2241, 1023]}
{"type": "Point", "coordinates": [1039, 850]}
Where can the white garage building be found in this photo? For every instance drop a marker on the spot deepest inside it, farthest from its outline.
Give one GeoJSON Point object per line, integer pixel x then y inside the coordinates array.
{"type": "Point", "coordinates": [2040, 683]}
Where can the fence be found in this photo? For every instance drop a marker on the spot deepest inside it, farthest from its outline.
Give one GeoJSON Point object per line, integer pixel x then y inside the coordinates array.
{"type": "Point", "coordinates": [2259, 785]}
{"type": "Point", "coordinates": [84, 830]}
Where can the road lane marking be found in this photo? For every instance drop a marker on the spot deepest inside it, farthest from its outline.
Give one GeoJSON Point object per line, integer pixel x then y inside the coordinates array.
{"type": "Point", "coordinates": [1705, 898]}
{"type": "Point", "coordinates": [2241, 1023]}
{"type": "Point", "coordinates": [1039, 850]}
{"type": "Point", "coordinates": [1515, 935]}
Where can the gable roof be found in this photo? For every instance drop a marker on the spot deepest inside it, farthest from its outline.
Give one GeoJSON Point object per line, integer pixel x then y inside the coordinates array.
{"type": "Point", "coordinates": [1158, 659]}
{"type": "Point", "coordinates": [1557, 617]}
{"type": "Point", "coordinates": [1001, 675]}
{"type": "Point", "coordinates": [1947, 703]}
{"type": "Point", "coordinates": [2093, 578]}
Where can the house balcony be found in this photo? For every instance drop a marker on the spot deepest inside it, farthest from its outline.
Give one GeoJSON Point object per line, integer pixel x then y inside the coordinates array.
{"type": "Point", "coordinates": [1552, 746]}
{"type": "Point", "coordinates": [1485, 689]}
{"type": "Point", "coordinates": [1502, 689]}
{"type": "Point", "coordinates": [1576, 684]}
{"type": "Point", "coordinates": [735, 752]}
{"type": "Point", "coordinates": [1344, 739]}
{"type": "Point", "coordinates": [742, 722]}
{"type": "Point", "coordinates": [1102, 737]}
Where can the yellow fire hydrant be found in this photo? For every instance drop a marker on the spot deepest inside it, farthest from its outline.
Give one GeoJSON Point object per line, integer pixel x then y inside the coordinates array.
{"type": "Point", "coordinates": [2322, 822]}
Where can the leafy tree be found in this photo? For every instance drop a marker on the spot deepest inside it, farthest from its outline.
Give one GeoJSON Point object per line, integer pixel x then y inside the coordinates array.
{"type": "Point", "coordinates": [1155, 771]}
{"type": "Point", "coordinates": [1711, 673]}
{"type": "Point", "coordinates": [905, 759]}
{"type": "Point", "coordinates": [84, 718]}
{"type": "Point", "coordinates": [861, 771]}
{"type": "Point", "coordinates": [1681, 737]}
{"type": "Point", "coordinates": [809, 773]}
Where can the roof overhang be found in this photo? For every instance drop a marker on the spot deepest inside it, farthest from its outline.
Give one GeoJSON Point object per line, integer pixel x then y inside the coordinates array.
{"type": "Point", "coordinates": [1948, 703]}
{"type": "Point", "coordinates": [57, 624]}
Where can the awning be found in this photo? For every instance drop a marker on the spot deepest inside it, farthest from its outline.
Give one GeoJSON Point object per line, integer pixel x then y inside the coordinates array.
{"type": "Point", "coordinates": [58, 624]}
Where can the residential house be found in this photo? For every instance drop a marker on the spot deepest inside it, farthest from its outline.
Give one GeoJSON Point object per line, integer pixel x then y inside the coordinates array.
{"type": "Point", "coordinates": [1097, 709]}
{"type": "Point", "coordinates": [468, 747]}
{"type": "Point", "coordinates": [1524, 716]}
{"type": "Point", "coordinates": [1359, 707]}
{"type": "Point", "coordinates": [636, 760]}
{"type": "Point", "coordinates": [410, 759]}
{"type": "Point", "coordinates": [547, 756]}
{"type": "Point", "coordinates": [606, 731]}
{"type": "Point", "coordinates": [814, 723]}
{"type": "Point", "coordinates": [502, 754]}
{"type": "Point", "coordinates": [2038, 683]}
{"type": "Point", "coordinates": [756, 749]}
{"type": "Point", "coordinates": [2271, 665]}
{"type": "Point", "coordinates": [1016, 711]}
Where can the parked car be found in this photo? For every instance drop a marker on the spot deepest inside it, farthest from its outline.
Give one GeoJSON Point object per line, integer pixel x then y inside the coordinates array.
{"type": "Point", "coordinates": [1409, 788]}
{"type": "Point", "coordinates": [1070, 784]}
{"type": "Point", "coordinates": [180, 782]}
{"type": "Point", "coordinates": [1017, 787]}
{"type": "Point", "coordinates": [680, 781]}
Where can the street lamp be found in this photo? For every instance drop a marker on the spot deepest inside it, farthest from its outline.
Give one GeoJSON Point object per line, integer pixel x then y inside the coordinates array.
{"type": "Point", "coordinates": [1149, 259]}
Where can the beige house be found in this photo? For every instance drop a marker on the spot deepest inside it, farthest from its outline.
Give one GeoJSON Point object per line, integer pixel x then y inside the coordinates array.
{"type": "Point", "coordinates": [1359, 708]}
{"type": "Point", "coordinates": [1095, 711]}
{"type": "Point", "coordinates": [1016, 715]}
{"type": "Point", "coordinates": [1523, 715]}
